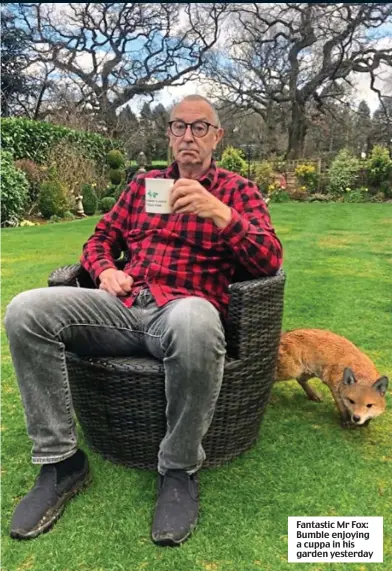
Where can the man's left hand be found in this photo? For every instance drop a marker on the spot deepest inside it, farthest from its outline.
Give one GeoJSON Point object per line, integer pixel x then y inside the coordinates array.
{"type": "Point", "coordinates": [189, 196]}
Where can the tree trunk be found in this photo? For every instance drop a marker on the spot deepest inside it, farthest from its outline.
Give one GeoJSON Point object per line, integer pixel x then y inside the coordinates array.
{"type": "Point", "coordinates": [38, 104]}
{"type": "Point", "coordinates": [4, 107]}
{"type": "Point", "coordinates": [297, 131]}
{"type": "Point", "coordinates": [270, 145]}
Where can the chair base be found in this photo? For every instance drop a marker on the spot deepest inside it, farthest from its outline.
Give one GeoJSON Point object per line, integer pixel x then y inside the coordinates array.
{"type": "Point", "coordinates": [120, 404]}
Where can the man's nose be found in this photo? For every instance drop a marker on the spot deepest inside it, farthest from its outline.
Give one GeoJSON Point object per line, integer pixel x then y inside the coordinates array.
{"type": "Point", "coordinates": [188, 135]}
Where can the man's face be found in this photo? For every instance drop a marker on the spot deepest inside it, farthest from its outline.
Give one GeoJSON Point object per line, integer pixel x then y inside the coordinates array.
{"type": "Point", "coordinates": [189, 149]}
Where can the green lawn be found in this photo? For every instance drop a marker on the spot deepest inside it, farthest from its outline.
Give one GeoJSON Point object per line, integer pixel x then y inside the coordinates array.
{"type": "Point", "coordinates": [158, 163]}
{"type": "Point", "coordinates": [338, 260]}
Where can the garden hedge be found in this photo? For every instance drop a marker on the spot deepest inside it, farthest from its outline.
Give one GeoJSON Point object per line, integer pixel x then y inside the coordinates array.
{"type": "Point", "coordinates": [29, 139]}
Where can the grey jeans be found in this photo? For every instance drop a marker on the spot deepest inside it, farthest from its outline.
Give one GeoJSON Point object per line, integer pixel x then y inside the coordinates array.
{"type": "Point", "coordinates": [186, 334]}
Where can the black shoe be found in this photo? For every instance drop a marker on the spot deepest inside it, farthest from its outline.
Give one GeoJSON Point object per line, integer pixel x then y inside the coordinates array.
{"type": "Point", "coordinates": [56, 484]}
{"type": "Point", "coordinates": [177, 508]}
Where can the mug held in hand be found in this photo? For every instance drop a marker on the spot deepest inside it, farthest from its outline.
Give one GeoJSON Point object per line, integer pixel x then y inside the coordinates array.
{"type": "Point", "coordinates": [158, 195]}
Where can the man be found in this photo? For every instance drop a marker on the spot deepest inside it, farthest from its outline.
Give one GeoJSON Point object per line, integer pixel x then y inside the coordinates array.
{"type": "Point", "coordinates": [170, 300]}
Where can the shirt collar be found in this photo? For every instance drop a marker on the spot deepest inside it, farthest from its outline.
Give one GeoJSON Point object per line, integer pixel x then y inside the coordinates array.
{"type": "Point", "coordinates": [207, 179]}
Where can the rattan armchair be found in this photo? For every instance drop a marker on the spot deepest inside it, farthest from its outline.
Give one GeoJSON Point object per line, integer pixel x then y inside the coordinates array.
{"type": "Point", "coordinates": [120, 402]}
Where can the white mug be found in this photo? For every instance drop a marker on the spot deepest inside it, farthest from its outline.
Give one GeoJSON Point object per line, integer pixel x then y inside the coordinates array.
{"type": "Point", "coordinates": [158, 195]}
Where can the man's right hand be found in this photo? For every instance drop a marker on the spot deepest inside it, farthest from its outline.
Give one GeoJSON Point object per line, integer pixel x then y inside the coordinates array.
{"type": "Point", "coordinates": [116, 282]}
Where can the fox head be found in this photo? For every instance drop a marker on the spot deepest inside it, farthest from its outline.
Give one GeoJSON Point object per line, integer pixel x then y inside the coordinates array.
{"type": "Point", "coordinates": [363, 402]}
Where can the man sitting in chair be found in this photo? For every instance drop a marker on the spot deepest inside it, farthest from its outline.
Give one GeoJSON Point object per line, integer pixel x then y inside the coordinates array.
{"type": "Point", "coordinates": [170, 300]}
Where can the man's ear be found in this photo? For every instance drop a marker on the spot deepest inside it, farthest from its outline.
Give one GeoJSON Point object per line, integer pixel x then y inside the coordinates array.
{"type": "Point", "coordinates": [349, 377]}
{"type": "Point", "coordinates": [170, 145]}
{"type": "Point", "coordinates": [218, 137]}
{"type": "Point", "coordinates": [381, 385]}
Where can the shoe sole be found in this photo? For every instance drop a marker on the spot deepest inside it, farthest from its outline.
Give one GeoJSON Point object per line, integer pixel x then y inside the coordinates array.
{"type": "Point", "coordinates": [170, 542]}
{"type": "Point", "coordinates": [53, 514]}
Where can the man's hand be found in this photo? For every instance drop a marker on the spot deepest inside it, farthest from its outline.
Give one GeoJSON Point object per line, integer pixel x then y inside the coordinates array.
{"type": "Point", "coordinates": [116, 282]}
{"type": "Point", "coordinates": [189, 196]}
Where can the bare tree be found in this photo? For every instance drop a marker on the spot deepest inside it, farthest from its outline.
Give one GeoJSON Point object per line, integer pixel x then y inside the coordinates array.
{"type": "Point", "coordinates": [300, 55]}
{"type": "Point", "coordinates": [382, 123]}
{"type": "Point", "coordinates": [115, 51]}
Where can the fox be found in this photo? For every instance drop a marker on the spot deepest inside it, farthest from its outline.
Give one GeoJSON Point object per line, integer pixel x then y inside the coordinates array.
{"type": "Point", "coordinates": [356, 386]}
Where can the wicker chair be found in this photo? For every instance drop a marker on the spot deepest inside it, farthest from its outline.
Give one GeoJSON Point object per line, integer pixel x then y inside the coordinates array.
{"type": "Point", "coordinates": [120, 402]}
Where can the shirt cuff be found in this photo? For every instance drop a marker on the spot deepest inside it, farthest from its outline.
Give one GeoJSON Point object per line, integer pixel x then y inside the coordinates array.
{"type": "Point", "coordinates": [236, 229]}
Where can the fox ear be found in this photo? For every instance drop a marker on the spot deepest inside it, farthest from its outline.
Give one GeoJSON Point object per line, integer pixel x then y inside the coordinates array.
{"type": "Point", "coordinates": [349, 377]}
{"type": "Point", "coordinates": [381, 385]}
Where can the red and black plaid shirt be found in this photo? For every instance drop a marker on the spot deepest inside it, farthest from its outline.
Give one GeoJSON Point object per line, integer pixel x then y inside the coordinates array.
{"type": "Point", "coordinates": [178, 255]}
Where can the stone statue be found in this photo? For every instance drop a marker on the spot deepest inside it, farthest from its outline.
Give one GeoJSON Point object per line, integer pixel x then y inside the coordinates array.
{"type": "Point", "coordinates": [142, 162]}
{"type": "Point", "coordinates": [79, 206]}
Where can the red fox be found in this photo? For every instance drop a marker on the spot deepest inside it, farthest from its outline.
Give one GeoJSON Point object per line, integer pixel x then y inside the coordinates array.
{"type": "Point", "coordinates": [355, 384]}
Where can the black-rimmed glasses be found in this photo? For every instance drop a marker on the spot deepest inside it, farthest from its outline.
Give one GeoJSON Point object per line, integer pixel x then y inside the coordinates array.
{"type": "Point", "coordinates": [199, 128]}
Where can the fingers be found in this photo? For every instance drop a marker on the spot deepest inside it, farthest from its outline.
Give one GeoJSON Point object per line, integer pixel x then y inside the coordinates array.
{"type": "Point", "coordinates": [189, 196]}
{"type": "Point", "coordinates": [184, 201]}
{"type": "Point", "coordinates": [185, 187]}
{"type": "Point", "coordinates": [190, 209]}
{"type": "Point", "coordinates": [107, 286]}
{"type": "Point", "coordinates": [124, 281]}
{"type": "Point", "coordinates": [116, 283]}
{"type": "Point", "coordinates": [177, 193]}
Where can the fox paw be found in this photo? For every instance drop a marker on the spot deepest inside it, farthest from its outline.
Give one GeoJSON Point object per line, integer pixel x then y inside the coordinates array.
{"type": "Point", "coordinates": [315, 398]}
{"type": "Point", "coordinates": [347, 424]}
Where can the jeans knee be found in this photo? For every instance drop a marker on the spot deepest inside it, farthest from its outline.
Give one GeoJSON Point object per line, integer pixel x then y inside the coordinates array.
{"type": "Point", "coordinates": [195, 321]}
{"type": "Point", "coordinates": [21, 311]}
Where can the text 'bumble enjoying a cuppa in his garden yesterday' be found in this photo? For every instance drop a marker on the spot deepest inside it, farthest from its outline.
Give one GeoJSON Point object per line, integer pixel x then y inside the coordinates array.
{"type": "Point", "coordinates": [330, 539]}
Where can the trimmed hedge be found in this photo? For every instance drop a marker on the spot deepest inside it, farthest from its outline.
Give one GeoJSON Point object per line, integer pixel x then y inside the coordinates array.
{"type": "Point", "coordinates": [90, 200]}
{"type": "Point", "coordinates": [53, 199]}
{"type": "Point", "coordinates": [115, 159]}
{"type": "Point", "coordinates": [14, 191]}
{"type": "Point", "coordinates": [116, 176]}
{"type": "Point", "coordinates": [29, 139]}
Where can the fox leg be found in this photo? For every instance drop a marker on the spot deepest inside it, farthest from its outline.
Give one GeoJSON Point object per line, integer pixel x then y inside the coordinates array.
{"type": "Point", "coordinates": [312, 394]}
{"type": "Point", "coordinates": [344, 414]}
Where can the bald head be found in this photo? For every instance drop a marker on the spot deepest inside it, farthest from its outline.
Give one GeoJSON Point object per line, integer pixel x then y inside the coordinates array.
{"type": "Point", "coordinates": [199, 99]}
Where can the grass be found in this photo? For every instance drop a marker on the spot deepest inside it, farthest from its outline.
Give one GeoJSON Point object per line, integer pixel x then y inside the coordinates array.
{"type": "Point", "coordinates": [160, 163]}
{"type": "Point", "coordinates": [338, 260]}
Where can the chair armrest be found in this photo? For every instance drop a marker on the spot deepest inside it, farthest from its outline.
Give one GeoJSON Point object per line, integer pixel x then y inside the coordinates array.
{"type": "Point", "coordinates": [74, 275]}
{"type": "Point", "coordinates": [255, 314]}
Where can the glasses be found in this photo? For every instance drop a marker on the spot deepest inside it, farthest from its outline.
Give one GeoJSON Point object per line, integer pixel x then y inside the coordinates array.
{"type": "Point", "coordinates": [199, 128]}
